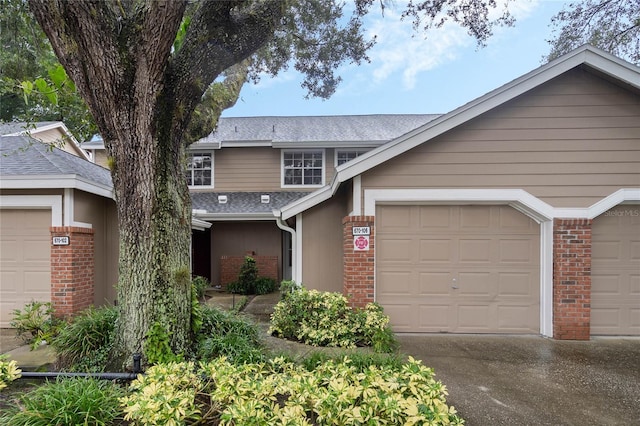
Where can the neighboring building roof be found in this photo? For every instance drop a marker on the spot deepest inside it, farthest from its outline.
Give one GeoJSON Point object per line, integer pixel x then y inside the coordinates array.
{"type": "Point", "coordinates": [29, 163]}
{"type": "Point", "coordinates": [601, 62]}
{"type": "Point", "coordinates": [16, 128]}
{"type": "Point", "coordinates": [95, 142]}
{"type": "Point", "coordinates": [321, 131]}
{"type": "Point", "coordinates": [206, 205]}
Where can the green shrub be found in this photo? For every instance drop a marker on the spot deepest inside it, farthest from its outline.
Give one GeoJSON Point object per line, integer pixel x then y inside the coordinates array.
{"type": "Point", "coordinates": [200, 284]}
{"type": "Point", "coordinates": [246, 278]}
{"type": "Point", "coordinates": [35, 324]}
{"type": "Point", "coordinates": [84, 344]}
{"type": "Point", "coordinates": [325, 319]}
{"type": "Point", "coordinates": [228, 334]}
{"type": "Point", "coordinates": [280, 392]}
{"type": "Point", "coordinates": [265, 285]}
{"type": "Point", "coordinates": [9, 371]}
{"type": "Point", "coordinates": [157, 349]}
{"type": "Point", "coordinates": [77, 401]}
{"type": "Point", "coordinates": [287, 287]}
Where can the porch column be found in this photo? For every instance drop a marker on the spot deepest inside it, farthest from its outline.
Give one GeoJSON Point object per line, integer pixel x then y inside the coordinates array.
{"type": "Point", "coordinates": [72, 269]}
{"type": "Point", "coordinates": [359, 259]}
{"type": "Point", "coordinates": [571, 279]}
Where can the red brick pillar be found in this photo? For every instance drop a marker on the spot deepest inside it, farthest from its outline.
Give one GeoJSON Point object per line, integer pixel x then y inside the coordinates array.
{"type": "Point", "coordinates": [359, 266]}
{"type": "Point", "coordinates": [571, 279]}
{"type": "Point", "coordinates": [72, 269]}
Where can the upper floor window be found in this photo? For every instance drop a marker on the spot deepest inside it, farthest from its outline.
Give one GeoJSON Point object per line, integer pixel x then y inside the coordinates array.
{"type": "Point", "coordinates": [200, 169]}
{"type": "Point", "coordinates": [347, 155]}
{"type": "Point", "coordinates": [303, 168]}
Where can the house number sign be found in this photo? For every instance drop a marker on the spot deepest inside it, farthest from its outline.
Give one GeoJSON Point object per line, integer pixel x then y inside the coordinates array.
{"type": "Point", "coordinates": [60, 241]}
{"type": "Point", "coordinates": [361, 230]}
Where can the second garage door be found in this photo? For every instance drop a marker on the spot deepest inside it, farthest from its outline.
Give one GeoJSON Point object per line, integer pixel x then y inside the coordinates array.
{"type": "Point", "coordinates": [25, 260]}
{"type": "Point", "coordinates": [458, 269]}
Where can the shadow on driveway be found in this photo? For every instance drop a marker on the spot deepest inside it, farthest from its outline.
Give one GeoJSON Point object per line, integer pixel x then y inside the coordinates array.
{"type": "Point", "coordinates": [518, 380]}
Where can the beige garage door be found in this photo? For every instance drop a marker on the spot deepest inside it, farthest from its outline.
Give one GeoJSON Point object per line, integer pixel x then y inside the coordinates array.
{"type": "Point", "coordinates": [25, 259]}
{"type": "Point", "coordinates": [458, 269]}
{"type": "Point", "coordinates": [615, 272]}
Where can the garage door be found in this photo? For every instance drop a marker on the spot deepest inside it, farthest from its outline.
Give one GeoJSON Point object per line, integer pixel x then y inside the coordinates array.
{"type": "Point", "coordinates": [25, 260]}
{"type": "Point", "coordinates": [615, 272]}
{"type": "Point", "coordinates": [458, 269]}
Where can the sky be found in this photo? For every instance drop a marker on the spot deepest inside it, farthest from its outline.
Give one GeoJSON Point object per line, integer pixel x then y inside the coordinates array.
{"type": "Point", "coordinates": [409, 74]}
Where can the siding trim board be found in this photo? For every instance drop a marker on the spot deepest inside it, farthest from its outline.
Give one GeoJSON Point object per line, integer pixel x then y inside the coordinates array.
{"type": "Point", "coordinates": [53, 202]}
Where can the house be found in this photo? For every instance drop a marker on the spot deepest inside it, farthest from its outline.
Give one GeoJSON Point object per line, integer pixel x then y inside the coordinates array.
{"type": "Point", "coordinates": [58, 225]}
{"type": "Point", "coordinates": [516, 213]}
{"type": "Point", "coordinates": [54, 133]}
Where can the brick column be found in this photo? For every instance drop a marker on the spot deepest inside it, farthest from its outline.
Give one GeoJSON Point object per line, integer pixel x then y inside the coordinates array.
{"type": "Point", "coordinates": [72, 270]}
{"type": "Point", "coordinates": [359, 266]}
{"type": "Point", "coordinates": [571, 279]}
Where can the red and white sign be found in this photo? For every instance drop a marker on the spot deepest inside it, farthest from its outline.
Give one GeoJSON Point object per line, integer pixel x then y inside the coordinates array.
{"type": "Point", "coordinates": [361, 243]}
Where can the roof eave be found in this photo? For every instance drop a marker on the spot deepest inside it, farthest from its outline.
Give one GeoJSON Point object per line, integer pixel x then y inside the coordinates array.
{"type": "Point", "coordinates": [71, 181]}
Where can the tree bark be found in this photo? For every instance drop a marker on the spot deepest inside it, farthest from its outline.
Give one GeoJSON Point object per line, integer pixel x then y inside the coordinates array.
{"type": "Point", "coordinates": [142, 95]}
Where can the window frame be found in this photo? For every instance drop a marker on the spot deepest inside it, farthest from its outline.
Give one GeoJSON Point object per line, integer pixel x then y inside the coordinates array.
{"type": "Point", "coordinates": [322, 151]}
{"type": "Point", "coordinates": [360, 151]}
{"type": "Point", "coordinates": [200, 152]}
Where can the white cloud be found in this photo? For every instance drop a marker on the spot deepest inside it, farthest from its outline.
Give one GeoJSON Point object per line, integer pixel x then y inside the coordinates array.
{"type": "Point", "coordinates": [401, 50]}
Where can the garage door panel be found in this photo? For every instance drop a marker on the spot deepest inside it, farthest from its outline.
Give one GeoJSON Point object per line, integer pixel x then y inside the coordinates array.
{"type": "Point", "coordinates": [397, 251]}
{"type": "Point", "coordinates": [396, 219]}
{"type": "Point", "coordinates": [24, 259]}
{"type": "Point", "coordinates": [434, 284]}
{"type": "Point", "coordinates": [397, 282]}
{"type": "Point", "coordinates": [471, 275]}
{"type": "Point", "coordinates": [474, 250]}
{"type": "Point", "coordinates": [615, 272]}
{"type": "Point", "coordinates": [435, 250]}
{"type": "Point", "coordinates": [517, 251]}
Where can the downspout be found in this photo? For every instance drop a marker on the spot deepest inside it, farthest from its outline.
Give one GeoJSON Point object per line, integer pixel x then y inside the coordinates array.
{"type": "Point", "coordinates": [294, 244]}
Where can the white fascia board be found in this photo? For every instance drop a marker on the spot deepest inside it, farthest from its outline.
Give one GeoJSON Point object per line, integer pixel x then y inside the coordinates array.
{"type": "Point", "coordinates": [53, 202]}
{"type": "Point", "coordinates": [245, 144]}
{"type": "Point", "coordinates": [306, 202]}
{"type": "Point", "coordinates": [55, 182]}
{"type": "Point", "coordinates": [621, 196]}
{"type": "Point", "coordinates": [588, 55]}
{"type": "Point", "coordinates": [199, 225]}
{"type": "Point", "coordinates": [517, 198]}
{"type": "Point", "coordinates": [327, 144]}
{"type": "Point", "coordinates": [236, 217]}
{"type": "Point", "coordinates": [203, 146]}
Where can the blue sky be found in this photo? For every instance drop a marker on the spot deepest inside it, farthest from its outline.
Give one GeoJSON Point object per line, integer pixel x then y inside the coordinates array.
{"type": "Point", "coordinates": [411, 75]}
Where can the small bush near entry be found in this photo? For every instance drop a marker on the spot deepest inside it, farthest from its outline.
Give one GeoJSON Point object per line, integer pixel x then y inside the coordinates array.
{"type": "Point", "coordinates": [280, 392]}
{"type": "Point", "coordinates": [265, 285]}
{"type": "Point", "coordinates": [35, 323]}
{"type": "Point", "coordinates": [325, 319]}
{"type": "Point", "coordinates": [84, 343]}
{"type": "Point", "coordinates": [228, 334]}
{"type": "Point", "coordinates": [67, 402]}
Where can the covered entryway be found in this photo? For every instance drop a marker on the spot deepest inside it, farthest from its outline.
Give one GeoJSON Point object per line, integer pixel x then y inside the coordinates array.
{"type": "Point", "coordinates": [458, 269]}
{"type": "Point", "coordinates": [615, 272]}
{"type": "Point", "coordinates": [25, 259]}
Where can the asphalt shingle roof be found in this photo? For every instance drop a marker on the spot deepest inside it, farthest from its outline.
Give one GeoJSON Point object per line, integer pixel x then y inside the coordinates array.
{"type": "Point", "coordinates": [243, 202]}
{"type": "Point", "coordinates": [21, 126]}
{"type": "Point", "coordinates": [338, 128]}
{"type": "Point", "coordinates": [24, 156]}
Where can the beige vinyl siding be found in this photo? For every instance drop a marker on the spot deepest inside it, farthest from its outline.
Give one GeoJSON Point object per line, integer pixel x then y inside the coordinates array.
{"type": "Point", "coordinates": [569, 142]}
{"type": "Point", "coordinates": [322, 245]}
{"type": "Point", "coordinates": [102, 215]}
{"type": "Point", "coordinates": [247, 169]}
{"type": "Point", "coordinates": [58, 139]}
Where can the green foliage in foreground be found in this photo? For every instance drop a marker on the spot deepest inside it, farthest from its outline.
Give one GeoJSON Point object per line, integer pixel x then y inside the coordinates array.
{"type": "Point", "coordinates": [9, 371]}
{"type": "Point", "coordinates": [67, 402]}
{"type": "Point", "coordinates": [326, 319]}
{"type": "Point", "coordinates": [35, 323]}
{"type": "Point", "coordinates": [280, 392]}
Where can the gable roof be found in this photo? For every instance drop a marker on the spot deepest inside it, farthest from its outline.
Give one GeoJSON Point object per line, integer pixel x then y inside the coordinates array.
{"type": "Point", "coordinates": [316, 131]}
{"type": "Point", "coordinates": [28, 163]}
{"type": "Point", "coordinates": [17, 128]}
{"type": "Point", "coordinates": [587, 56]}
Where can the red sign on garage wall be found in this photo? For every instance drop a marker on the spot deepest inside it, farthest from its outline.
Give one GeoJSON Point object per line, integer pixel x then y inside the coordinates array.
{"type": "Point", "coordinates": [361, 242]}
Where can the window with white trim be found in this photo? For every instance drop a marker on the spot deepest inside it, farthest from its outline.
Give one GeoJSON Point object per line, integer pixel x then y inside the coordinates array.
{"type": "Point", "coordinates": [342, 156]}
{"type": "Point", "coordinates": [199, 169]}
{"type": "Point", "coordinates": [303, 168]}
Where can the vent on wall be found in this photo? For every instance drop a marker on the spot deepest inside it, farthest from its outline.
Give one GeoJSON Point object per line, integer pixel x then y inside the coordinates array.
{"type": "Point", "coordinates": [265, 198]}
{"type": "Point", "coordinates": [222, 199]}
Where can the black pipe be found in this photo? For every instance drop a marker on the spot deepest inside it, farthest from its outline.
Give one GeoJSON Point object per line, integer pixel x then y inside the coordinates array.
{"type": "Point", "coordinates": [100, 376]}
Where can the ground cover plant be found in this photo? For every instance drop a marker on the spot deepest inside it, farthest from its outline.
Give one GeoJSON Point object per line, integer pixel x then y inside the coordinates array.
{"type": "Point", "coordinates": [281, 392]}
{"type": "Point", "coordinates": [35, 324]}
{"type": "Point", "coordinates": [325, 319]}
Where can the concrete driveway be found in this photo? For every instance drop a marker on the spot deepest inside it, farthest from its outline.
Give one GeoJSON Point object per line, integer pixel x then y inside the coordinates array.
{"type": "Point", "coordinates": [518, 380]}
